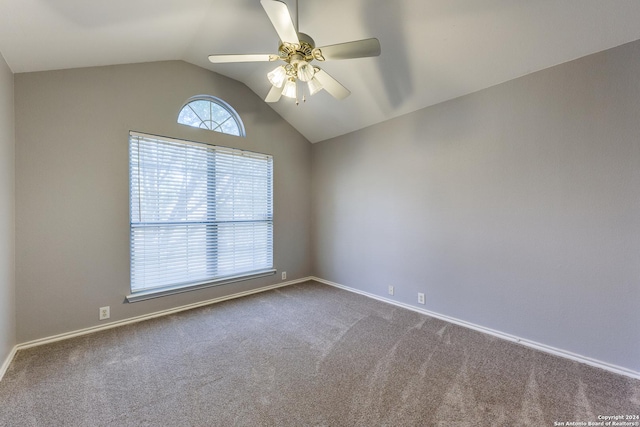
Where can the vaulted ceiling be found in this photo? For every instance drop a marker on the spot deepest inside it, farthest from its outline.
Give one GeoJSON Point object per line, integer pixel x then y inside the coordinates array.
{"type": "Point", "coordinates": [432, 50]}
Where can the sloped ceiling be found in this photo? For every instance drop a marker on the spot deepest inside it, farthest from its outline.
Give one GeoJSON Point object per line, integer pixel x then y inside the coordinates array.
{"type": "Point", "coordinates": [432, 50]}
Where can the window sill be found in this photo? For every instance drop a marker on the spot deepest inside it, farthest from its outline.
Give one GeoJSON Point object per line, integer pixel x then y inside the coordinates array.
{"type": "Point", "coordinates": [172, 290]}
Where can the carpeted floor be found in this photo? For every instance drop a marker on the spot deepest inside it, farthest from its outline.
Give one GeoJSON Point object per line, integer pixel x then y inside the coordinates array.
{"type": "Point", "coordinates": [307, 354]}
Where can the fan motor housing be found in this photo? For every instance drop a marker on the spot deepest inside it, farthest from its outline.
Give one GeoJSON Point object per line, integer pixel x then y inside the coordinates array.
{"type": "Point", "coordinates": [304, 51]}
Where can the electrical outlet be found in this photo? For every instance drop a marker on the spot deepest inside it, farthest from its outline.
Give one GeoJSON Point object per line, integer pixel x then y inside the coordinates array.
{"type": "Point", "coordinates": [420, 298]}
{"type": "Point", "coordinates": [284, 275]}
{"type": "Point", "coordinates": [105, 312]}
{"type": "Point", "coordinates": [391, 290]}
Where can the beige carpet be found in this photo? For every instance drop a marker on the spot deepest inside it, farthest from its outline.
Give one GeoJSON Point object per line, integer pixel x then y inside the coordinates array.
{"type": "Point", "coordinates": [307, 354]}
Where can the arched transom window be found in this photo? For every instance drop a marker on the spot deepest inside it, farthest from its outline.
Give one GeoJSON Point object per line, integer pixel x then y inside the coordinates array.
{"type": "Point", "coordinates": [209, 112]}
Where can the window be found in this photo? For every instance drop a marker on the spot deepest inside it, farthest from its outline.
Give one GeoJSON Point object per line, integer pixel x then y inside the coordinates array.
{"type": "Point", "coordinates": [200, 215]}
{"type": "Point", "coordinates": [209, 112]}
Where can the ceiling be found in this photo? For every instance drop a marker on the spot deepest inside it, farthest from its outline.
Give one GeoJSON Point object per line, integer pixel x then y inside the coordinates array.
{"type": "Point", "coordinates": [432, 50]}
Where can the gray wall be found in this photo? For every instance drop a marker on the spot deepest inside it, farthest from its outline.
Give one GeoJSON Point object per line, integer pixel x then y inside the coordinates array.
{"type": "Point", "coordinates": [72, 229]}
{"type": "Point", "coordinates": [515, 208]}
{"type": "Point", "coordinates": [7, 208]}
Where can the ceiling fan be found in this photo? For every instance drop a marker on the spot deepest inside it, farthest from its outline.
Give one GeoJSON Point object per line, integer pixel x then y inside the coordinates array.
{"type": "Point", "coordinates": [298, 50]}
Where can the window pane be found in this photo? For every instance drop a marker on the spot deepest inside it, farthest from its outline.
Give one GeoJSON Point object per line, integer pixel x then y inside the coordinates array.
{"type": "Point", "coordinates": [219, 114]}
{"type": "Point", "coordinates": [188, 117]}
{"type": "Point", "coordinates": [201, 109]}
{"type": "Point", "coordinates": [230, 127]}
{"type": "Point", "coordinates": [198, 212]}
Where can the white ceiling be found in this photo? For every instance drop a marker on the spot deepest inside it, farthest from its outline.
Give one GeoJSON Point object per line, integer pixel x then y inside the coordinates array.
{"type": "Point", "coordinates": [432, 50]}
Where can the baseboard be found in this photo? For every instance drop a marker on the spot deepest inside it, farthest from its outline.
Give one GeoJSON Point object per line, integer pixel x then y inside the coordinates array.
{"type": "Point", "coordinates": [144, 317]}
{"type": "Point", "coordinates": [538, 346]}
{"type": "Point", "coordinates": [7, 362]}
{"type": "Point", "coordinates": [532, 344]}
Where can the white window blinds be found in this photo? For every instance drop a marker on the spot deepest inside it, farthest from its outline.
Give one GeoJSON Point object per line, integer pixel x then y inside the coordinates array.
{"type": "Point", "coordinates": [199, 213]}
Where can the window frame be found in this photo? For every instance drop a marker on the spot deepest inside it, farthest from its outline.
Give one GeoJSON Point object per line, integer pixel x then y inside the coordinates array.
{"type": "Point", "coordinates": [222, 104]}
{"type": "Point", "coordinates": [155, 292]}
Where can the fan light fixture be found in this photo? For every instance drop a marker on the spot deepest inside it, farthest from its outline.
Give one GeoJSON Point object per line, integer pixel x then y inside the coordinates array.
{"type": "Point", "coordinates": [314, 86]}
{"type": "Point", "coordinates": [290, 89]}
{"type": "Point", "coordinates": [305, 71]}
{"type": "Point", "coordinates": [297, 50]}
{"type": "Point", "coordinates": [297, 58]}
{"type": "Point", "coordinates": [278, 76]}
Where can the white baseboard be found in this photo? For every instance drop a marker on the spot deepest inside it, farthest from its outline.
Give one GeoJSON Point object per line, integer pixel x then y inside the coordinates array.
{"type": "Point", "coordinates": [542, 347]}
{"type": "Point", "coordinates": [93, 329]}
{"type": "Point", "coordinates": [532, 344]}
{"type": "Point", "coordinates": [7, 362]}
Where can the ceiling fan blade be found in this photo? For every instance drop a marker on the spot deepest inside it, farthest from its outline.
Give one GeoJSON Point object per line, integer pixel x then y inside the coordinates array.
{"type": "Point", "coordinates": [281, 19]}
{"type": "Point", "coordinates": [221, 59]}
{"type": "Point", "coordinates": [331, 85]}
{"type": "Point", "coordinates": [274, 94]}
{"type": "Point", "coordinates": [356, 49]}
